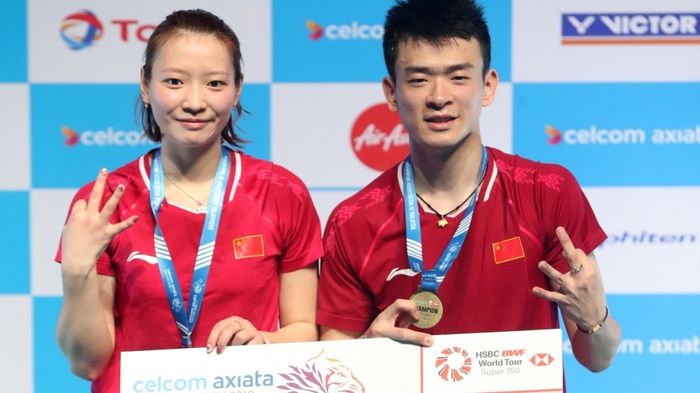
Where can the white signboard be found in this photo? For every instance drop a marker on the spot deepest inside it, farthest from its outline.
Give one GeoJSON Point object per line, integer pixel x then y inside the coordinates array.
{"type": "Point", "coordinates": [482, 362]}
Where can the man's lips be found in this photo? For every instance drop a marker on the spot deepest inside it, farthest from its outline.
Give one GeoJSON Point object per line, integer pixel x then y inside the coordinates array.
{"type": "Point", "coordinates": [440, 121]}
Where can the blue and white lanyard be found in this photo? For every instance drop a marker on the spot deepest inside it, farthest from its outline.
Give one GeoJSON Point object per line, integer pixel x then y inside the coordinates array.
{"type": "Point", "coordinates": [431, 279]}
{"type": "Point", "coordinates": [186, 320]}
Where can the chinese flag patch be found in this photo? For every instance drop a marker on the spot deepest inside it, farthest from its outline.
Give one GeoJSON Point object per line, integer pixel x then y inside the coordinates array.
{"type": "Point", "coordinates": [508, 250]}
{"type": "Point", "coordinates": [248, 247]}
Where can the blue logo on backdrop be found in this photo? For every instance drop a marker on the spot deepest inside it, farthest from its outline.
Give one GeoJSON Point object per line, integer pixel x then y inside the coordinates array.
{"type": "Point", "coordinates": [78, 129]}
{"type": "Point", "coordinates": [612, 134]}
{"type": "Point", "coordinates": [329, 41]}
{"type": "Point", "coordinates": [13, 45]}
{"type": "Point", "coordinates": [630, 28]}
{"type": "Point", "coordinates": [660, 336]}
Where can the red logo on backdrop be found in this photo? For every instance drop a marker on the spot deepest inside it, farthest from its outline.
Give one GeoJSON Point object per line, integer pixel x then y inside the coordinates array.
{"type": "Point", "coordinates": [378, 138]}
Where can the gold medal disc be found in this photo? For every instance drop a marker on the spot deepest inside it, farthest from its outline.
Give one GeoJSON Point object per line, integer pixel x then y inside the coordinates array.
{"type": "Point", "coordinates": [429, 308]}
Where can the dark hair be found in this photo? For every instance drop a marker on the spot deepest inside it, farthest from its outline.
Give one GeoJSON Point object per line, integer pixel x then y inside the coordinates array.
{"type": "Point", "coordinates": [191, 21]}
{"type": "Point", "coordinates": [434, 22]}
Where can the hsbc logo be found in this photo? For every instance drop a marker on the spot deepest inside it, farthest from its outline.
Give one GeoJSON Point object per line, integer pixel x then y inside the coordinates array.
{"type": "Point", "coordinates": [378, 138]}
{"type": "Point", "coordinates": [541, 359]}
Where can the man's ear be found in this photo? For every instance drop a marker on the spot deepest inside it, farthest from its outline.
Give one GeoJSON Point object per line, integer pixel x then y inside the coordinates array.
{"type": "Point", "coordinates": [490, 85]}
{"type": "Point", "coordinates": [390, 93]}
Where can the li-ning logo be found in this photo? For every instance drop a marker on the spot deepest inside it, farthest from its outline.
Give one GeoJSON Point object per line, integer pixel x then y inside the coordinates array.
{"type": "Point", "coordinates": [135, 255]}
{"type": "Point", "coordinates": [400, 272]}
{"type": "Point", "coordinates": [108, 137]}
{"type": "Point", "coordinates": [321, 374]}
{"type": "Point", "coordinates": [352, 31]}
{"type": "Point", "coordinates": [378, 138]}
{"type": "Point", "coordinates": [630, 28]}
{"type": "Point", "coordinates": [453, 364]}
{"type": "Point", "coordinates": [81, 29]}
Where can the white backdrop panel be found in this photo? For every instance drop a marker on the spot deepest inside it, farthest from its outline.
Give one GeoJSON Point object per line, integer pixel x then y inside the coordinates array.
{"type": "Point", "coordinates": [539, 56]}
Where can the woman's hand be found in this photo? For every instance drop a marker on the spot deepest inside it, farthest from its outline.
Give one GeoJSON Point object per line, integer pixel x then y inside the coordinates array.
{"type": "Point", "coordinates": [233, 331]}
{"type": "Point", "coordinates": [88, 230]}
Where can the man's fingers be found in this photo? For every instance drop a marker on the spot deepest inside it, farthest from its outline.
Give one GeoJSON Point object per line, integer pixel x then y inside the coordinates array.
{"type": "Point", "coordinates": [394, 321]}
{"type": "Point", "coordinates": [568, 246]}
{"type": "Point", "coordinates": [551, 272]}
{"type": "Point", "coordinates": [409, 336]}
{"type": "Point", "coordinates": [97, 190]}
{"type": "Point", "coordinates": [554, 297]}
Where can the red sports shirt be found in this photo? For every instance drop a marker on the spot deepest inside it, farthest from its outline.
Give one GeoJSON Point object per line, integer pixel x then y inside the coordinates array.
{"type": "Point", "coordinates": [489, 287]}
{"type": "Point", "coordinates": [268, 226]}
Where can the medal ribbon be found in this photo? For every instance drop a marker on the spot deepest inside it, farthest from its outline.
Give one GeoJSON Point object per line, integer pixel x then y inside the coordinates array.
{"type": "Point", "coordinates": [431, 279]}
{"type": "Point", "coordinates": [187, 319]}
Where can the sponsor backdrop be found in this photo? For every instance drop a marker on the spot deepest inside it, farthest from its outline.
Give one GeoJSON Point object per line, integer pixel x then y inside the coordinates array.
{"type": "Point", "coordinates": [609, 89]}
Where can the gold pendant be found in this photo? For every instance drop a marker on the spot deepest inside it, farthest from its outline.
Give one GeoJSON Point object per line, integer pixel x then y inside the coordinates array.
{"type": "Point", "coordinates": [429, 308]}
{"type": "Point", "coordinates": [442, 222]}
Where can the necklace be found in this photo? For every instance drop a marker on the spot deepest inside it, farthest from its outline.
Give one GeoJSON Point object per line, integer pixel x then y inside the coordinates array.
{"type": "Point", "coordinates": [201, 207]}
{"type": "Point", "coordinates": [442, 222]}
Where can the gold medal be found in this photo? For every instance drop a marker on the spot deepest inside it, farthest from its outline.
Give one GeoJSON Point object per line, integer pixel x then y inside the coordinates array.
{"type": "Point", "coordinates": [429, 308]}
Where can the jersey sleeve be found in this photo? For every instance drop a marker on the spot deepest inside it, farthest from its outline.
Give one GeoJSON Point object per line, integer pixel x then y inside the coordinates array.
{"type": "Point", "coordinates": [104, 265]}
{"type": "Point", "coordinates": [566, 205]}
{"type": "Point", "coordinates": [343, 301]}
{"type": "Point", "coordinates": [298, 222]}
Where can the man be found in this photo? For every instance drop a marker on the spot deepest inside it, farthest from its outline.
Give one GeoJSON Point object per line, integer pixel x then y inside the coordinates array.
{"type": "Point", "coordinates": [477, 239]}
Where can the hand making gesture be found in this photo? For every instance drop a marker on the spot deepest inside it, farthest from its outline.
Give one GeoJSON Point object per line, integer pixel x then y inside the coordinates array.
{"type": "Point", "coordinates": [88, 230]}
{"type": "Point", "coordinates": [579, 293]}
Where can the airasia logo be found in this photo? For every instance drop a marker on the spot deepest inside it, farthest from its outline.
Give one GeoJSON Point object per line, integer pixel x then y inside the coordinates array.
{"type": "Point", "coordinates": [378, 138]}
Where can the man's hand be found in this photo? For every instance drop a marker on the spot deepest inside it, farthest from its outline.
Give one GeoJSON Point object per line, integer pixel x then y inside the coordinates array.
{"type": "Point", "coordinates": [394, 322]}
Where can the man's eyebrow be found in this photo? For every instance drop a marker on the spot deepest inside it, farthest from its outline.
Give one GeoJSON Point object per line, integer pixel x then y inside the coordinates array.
{"type": "Point", "coordinates": [432, 71]}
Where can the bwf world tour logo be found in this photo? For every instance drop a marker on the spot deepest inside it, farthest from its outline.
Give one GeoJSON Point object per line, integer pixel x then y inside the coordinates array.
{"type": "Point", "coordinates": [378, 138]}
{"type": "Point", "coordinates": [453, 364]}
{"type": "Point", "coordinates": [81, 29]}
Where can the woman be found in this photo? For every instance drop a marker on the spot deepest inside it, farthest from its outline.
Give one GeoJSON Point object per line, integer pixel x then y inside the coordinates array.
{"type": "Point", "coordinates": [193, 244]}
